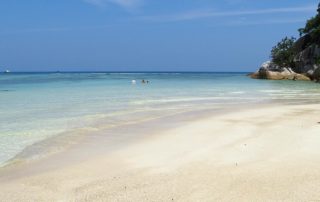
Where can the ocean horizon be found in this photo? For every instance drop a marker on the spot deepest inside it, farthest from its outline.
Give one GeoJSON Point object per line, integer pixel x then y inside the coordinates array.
{"type": "Point", "coordinates": [39, 105]}
{"type": "Point", "coordinates": [138, 100]}
{"type": "Point", "coordinates": [101, 71]}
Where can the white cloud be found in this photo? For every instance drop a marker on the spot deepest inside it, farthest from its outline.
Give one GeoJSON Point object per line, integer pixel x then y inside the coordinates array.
{"type": "Point", "coordinates": [265, 22]}
{"type": "Point", "coordinates": [127, 4]}
{"type": "Point", "coordinates": [198, 14]}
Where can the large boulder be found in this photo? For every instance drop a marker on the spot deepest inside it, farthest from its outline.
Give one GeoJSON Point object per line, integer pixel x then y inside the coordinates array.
{"type": "Point", "coordinates": [306, 61]}
{"type": "Point", "coordinates": [301, 77]}
{"type": "Point", "coordinates": [316, 74]}
{"type": "Point", "coordinates": [269, 70]}
{"type": "Point", "coordinates": [302, 43]}
{"type": "Point", "coordinates": [306, 58]}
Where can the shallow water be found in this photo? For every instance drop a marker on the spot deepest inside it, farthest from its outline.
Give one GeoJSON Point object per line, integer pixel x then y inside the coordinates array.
{"type": "Point", "coordinates": [35, 106]}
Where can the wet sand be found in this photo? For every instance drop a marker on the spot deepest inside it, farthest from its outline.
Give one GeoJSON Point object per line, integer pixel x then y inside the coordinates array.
{"type": "Point", "coordinates": [268, 153]}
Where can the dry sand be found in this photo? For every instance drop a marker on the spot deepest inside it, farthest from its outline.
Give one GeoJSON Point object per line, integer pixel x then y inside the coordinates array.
{"type": "Point", "coordinates": [268, 154]}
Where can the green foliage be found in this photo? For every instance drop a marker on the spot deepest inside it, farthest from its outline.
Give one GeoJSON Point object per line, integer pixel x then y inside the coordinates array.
{"type": "Point", "coordinates": [312, 26]}
{"type": "Point", "coordinates": [283, 53]}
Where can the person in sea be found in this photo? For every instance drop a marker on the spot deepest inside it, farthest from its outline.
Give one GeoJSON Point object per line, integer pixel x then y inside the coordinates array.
{"type": "Point", "coordinates": [144, 81]}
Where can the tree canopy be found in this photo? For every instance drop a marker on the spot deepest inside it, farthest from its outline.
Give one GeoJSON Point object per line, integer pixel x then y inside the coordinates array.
{"type": "Point", "coordinates": [312, 27]}
{"type": "Point", "coordinates": [283, 53]}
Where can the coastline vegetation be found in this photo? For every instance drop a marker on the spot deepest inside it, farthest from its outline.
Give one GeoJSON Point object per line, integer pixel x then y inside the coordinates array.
{"type": "Point", "coordinates": [284, 53]}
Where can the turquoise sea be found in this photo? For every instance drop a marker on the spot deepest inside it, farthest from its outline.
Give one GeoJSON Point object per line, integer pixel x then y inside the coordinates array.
{"type": "Point", "coordinates": [36, 106]}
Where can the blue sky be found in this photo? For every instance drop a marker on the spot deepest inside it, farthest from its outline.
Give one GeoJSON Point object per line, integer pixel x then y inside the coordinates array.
{"type": "Point", "coordinates": [145, 35]}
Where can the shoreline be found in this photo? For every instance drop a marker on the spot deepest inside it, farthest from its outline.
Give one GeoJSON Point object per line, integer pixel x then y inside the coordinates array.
{"type": "Point", "coordinates": [192, 148]}
{"type": "Point", "coordinates": [92, 103]}
{"type": "Point", "coordinates": [60, 142]}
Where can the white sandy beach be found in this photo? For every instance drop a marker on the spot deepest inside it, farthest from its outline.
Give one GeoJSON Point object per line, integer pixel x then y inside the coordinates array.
{"type": "Point", "coordinates": [260, 154]}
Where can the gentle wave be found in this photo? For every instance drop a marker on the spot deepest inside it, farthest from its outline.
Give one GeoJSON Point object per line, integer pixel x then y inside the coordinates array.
{"type": "Point", "coordinates": [37, 106]}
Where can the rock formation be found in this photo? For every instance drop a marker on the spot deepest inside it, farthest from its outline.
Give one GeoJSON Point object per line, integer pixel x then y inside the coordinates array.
{"type": "Point", "coordinates": [302, 55]}
{"type": "Point", "coordinates": [306, 60]}
{"type": "Point", "coordinates": [269, 70]}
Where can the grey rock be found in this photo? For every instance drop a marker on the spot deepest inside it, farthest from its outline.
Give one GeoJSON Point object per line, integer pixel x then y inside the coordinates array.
{"type": "Point", "coordinates": [269, 70]}
{"type": "Point", "coordinates": [306, 64]}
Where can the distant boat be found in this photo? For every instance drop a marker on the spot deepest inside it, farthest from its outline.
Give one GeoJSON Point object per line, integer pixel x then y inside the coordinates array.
{"type": "Point", "coordinates": [7, 71]}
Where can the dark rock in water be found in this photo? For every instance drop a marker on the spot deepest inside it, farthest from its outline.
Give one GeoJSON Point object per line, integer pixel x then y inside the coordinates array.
{"type": "Point", "coordinates": [269, 70]}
